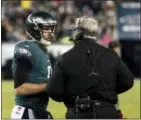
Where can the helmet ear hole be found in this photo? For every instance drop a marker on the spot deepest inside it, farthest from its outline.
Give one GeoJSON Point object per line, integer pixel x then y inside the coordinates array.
{"type": "Point", "coordinates": [34, 34]}
{"type": "Point", "coordinates": [40, 26]}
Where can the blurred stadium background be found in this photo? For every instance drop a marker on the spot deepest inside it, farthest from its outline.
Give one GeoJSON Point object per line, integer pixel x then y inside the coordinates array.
{"type": "Point", "coordinates": [118, 20]}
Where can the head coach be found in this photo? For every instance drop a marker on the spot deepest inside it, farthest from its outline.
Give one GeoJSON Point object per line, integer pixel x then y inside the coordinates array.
{"type": "Point", "coordinates": [88, 77]}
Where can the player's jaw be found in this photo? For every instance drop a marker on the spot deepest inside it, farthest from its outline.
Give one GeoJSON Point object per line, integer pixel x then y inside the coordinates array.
{"type": "Point", "coordinates": [47, 34]}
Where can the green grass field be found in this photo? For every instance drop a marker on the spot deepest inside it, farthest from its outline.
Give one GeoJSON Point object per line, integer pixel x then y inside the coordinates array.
{"type": "Point", "coordinates": [129, 102]}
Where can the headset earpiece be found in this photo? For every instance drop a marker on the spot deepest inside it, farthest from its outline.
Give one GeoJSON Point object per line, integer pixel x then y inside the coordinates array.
{"type": "Point", "coordinates": [77, 34]}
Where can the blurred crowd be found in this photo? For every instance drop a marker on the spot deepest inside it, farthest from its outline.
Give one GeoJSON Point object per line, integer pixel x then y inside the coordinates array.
{"type": "Point", "coordinates": [15, 12]}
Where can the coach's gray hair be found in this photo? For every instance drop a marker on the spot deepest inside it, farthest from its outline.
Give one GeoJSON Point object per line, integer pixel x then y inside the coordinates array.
{"type": "Point", "coordinates": [89, 25]}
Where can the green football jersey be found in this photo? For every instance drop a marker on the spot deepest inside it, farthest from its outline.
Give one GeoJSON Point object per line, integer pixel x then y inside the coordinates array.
{"type": "Point", "coordinates": [39, 73]}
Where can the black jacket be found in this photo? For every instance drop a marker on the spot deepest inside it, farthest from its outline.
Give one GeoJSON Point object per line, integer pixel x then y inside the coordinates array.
{"type": "Point", "coordinates": [72, 74]}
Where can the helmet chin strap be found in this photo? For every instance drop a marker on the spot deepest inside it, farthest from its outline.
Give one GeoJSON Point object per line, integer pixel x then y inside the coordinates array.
{"type": "Point", "coordinates": [45, 42]}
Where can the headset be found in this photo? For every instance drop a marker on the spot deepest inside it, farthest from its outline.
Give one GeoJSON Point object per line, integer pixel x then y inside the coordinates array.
{"type": "Point", "coordinates": [77, 35]}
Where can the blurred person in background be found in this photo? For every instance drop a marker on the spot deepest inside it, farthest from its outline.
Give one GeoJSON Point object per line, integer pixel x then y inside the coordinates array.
{"type": "Point", "coordinates": [7, 29]}
{"type": "Point", "coordinates": [3, 34]}
{"type": "Point", "coordinates": [31, 68]}
{"type": "Point", "coordinates": [109, 10]}
{"type": "Point", "coordinates": [115, 46]}
{"type": "Point", "coordinates": [88, 77]}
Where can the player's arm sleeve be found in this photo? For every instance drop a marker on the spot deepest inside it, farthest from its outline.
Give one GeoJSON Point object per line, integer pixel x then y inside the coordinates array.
{"type": "Point", "coordinates": [55, 87]}
{"type": "Point", "coordinates": [23, 60]}
{"type": "Point", "coordinates": [125, 78]}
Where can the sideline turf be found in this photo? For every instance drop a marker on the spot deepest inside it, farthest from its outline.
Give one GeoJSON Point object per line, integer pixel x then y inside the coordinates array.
{"type": "Point", "coordinates": [129, 102]}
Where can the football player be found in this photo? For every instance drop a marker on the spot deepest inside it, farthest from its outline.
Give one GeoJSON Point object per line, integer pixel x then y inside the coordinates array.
{"type": "Point", "coordinates": [31, 68]}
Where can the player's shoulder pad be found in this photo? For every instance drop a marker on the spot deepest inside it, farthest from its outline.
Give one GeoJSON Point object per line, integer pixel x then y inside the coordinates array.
{"type": "Point", "coordinates": [22, 49]}
{"type": "Point", "coordinates": [22, 43]}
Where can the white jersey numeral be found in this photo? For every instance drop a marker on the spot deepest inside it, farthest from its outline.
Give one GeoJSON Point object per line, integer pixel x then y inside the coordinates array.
{"type": "Point", "coordinates": [49, 68]}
